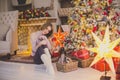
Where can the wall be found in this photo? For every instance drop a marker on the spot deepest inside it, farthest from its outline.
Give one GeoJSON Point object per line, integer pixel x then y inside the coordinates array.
{"type": "Point", "coordinates": [46, 3]}
{"type": "Point", "coordinates": [43, 3]}
{"type": "Point", "coordinates": [3, 5]}
{"type": "Point", "coordinates": [56, 7]}
{"type": "Point", "coordinates": [9, 3]}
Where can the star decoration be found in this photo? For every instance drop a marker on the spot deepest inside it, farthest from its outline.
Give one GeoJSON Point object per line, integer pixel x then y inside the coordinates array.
{"type": "Point", "coordinates": [59, 37]}
{"type": "Point", "coordinates": [105, 49]}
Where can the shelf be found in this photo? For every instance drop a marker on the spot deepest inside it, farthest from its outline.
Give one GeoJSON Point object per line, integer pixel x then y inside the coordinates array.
{"type": "Point", "coordinates": [36, 21]}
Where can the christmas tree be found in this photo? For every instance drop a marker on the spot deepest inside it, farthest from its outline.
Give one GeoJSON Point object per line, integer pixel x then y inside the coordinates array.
{"type": "Point", "coordinates": [91, 16]}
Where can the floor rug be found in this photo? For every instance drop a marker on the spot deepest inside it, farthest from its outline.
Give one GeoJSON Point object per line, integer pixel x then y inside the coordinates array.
{"type": "Point", "coordinates": [22, 58]}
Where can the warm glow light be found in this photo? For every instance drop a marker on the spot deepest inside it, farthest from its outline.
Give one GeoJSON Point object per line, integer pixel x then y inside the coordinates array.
{"type": "Point", "coordinates": [105, 49]}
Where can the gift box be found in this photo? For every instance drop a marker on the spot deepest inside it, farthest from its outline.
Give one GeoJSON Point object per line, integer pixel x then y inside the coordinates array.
{"type": "Point", "coordinates": [116, 60]}
{"type": "Point", "coordinates": [118, 72]}
{"type": "Point", "coordinates": [101, 65]}
{"type": "Point", "coordinates": [83, 63]}
{"type": "Point", "coordinates": [81, 54]}
{"type": "Point", "coordinates": [83, 58]}
{"type": "Point", "coordinates": [117, 76]}
{"type": "Point", "coordinates": [55, 54]}
{"type": "Point", "coordinates": [117, 48]}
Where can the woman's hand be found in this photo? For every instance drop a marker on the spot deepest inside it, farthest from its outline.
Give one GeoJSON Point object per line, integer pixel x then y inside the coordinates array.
{"type": "Point", "coordinates": [43, 42]}
{"type": "Point", "coordinates": [43, 37]}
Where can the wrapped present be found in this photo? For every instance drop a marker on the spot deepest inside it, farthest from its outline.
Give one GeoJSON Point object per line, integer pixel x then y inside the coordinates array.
{"type": "Point", "coordinates": [117, 48]}
{"type": "Point", "coordinates": [81, 54]}
{"type": "Point", "coordinates": [83, 63]}
{"type": "Point", "coordinates": [118, 72]}
{"type": "Point", "coordinates": [116, 60]}
{"type": "Point", "coordinates": [101, 65]}
{"type": "Point", "coordinates": [55, 54]}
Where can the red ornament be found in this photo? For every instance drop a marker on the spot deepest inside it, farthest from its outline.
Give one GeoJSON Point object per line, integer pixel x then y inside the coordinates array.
{"type": "Point", "coordinates": [90, 2]}
{"type": "Point", "coordinates": [53, 39]}
{"type": "Point", "coordinates": [95, 28]}
{"type": "Point", "coordinates": [118, 32]}
{"type": "Point", "coordinates": [108, 8]}
{"type": "Point", "coordinates": [71, 23]}
{"type": "Point", "coordinates": [75, 30]}
{"type": "Point", "coordinates": [114, 18]}
{"type": "Point", "coordinates": [110, 1]}
{"type": "Point", "coordinates": [84, 31]}
{"type": "Point", "coordinates": [83, 44]}
{"type": "Point", "coordinates": [55, 54]}
{"type": "Point", "coordinates": [117, 14]}
{"type": "Point", "coordinates": [102, 32]}
{"type": "Point", "coordinates": [105, 13]}
{"type": "Point", "coordinates": [81, 15]}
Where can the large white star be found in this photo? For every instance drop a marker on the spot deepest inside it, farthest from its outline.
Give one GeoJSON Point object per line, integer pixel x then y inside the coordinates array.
{"type": "Point", "coordinates": [105, 49]}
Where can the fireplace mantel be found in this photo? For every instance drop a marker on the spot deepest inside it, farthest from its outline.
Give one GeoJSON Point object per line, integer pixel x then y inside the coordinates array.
{"type": "Point", "coordinates": [36, 21]}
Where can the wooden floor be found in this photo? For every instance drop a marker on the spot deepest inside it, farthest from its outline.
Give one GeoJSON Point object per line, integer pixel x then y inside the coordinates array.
{"type": "Point", "coordinates": [21, 71]}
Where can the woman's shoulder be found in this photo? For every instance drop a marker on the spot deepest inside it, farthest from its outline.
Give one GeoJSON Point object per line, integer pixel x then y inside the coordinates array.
{"type": "Point", "coordinates": [36, 33]}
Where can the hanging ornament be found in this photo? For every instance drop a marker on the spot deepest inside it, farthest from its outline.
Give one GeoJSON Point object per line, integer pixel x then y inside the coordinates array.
{"type": "Point", "coordinates": [109, 1]}
{"type": "Point", "coordinates": [59, 37]}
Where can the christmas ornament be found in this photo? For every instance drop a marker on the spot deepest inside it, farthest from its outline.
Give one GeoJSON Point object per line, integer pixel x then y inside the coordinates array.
{"type": "Point", "coordinates": [59, 37]}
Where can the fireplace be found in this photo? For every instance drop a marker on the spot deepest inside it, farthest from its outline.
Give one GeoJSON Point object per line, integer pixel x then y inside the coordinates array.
{"type": "Point", "coordinates": [26, 27]}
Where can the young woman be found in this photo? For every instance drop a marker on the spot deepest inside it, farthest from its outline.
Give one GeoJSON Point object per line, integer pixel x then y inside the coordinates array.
{"type": "Point", "coordinates": [41, 47]}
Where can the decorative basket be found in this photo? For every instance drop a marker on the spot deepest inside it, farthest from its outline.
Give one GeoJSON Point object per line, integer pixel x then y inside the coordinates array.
{"type": "Point", "coordinates": [83, 63]}
{"type": "Point", "coordinates": [67, 67]}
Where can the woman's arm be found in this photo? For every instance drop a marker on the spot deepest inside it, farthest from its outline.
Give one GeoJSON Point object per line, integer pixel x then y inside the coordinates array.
{"type": "Point", "coordinates": [43, 42]}
{"type": "Point", "coordinates": [33, 44]}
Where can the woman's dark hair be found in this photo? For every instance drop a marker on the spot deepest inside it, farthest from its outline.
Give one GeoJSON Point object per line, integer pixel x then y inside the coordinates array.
{"type": "Point", "coordinates": [44, 26]}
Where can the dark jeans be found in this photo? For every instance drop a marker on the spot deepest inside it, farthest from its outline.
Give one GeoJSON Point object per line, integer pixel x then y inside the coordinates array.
{"type": "Point", "coordinates": [37, 56]}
